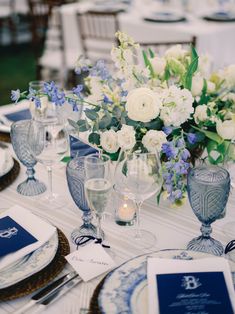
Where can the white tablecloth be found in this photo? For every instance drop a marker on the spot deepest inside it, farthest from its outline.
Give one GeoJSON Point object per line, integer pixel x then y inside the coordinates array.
{"type": "Point", "coordinates": [214, 38]}
{"type": "Point", "coordinates": [173, 227]}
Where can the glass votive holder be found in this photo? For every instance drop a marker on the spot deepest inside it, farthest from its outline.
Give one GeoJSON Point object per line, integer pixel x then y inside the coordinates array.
{"type": "Point", "coordinates": [125, 211]}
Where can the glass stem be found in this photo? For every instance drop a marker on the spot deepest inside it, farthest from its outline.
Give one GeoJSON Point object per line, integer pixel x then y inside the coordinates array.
{"type": "Point", "coordinates": [137, 230]}
{"type": "Point", "coordinates": [30, 173]}
{"type": "Point", "coordinates": [49, 172]}
{"type": "Point", "coordinates": [99, 236]}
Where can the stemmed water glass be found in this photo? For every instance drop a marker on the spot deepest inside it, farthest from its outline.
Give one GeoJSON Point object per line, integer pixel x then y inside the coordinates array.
{"type": "Point", "coordinates": [98, 186]}
{"type": "Point", "coordinates": [75, 172]}
{"type": "Point", "coordinates": [19, 138]}
{"type": "Point", "coordinates": [208, 190]}
{"type": "Point", "coordinates": [48, 142]}
{"type": "Point", "coordinates": [139, 177]}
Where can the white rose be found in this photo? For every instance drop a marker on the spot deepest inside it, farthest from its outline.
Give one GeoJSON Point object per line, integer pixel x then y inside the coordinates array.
{"type": "Point", "coordinates": [153, 140]}
{"type": "Point", "coordinates": [159, 65]}
{"type": "Point", "coordinates": [226, 129]}
{"type": "Point", "coordinates": [126, 137]}
{"type": "Point", "coordinates": [176, 52]}
{"type": "Point", "coordinates": [200, 113]}
{"type": "Point", "coordinates": [108, 141]}
{"type": "Point", "coordinates": [143, 104]}
{"type": "Point", "coordinates": [197, 85]}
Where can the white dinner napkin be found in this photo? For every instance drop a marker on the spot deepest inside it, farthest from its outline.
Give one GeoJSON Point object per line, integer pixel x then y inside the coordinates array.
{"type": "Point", "coordinates": [39, 228]}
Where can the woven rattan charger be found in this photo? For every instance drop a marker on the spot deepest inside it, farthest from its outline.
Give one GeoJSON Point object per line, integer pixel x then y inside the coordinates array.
{"type": "Point", "coordinates": [10, 176]}
{"type": "Point", "coordinates": [41, 278]}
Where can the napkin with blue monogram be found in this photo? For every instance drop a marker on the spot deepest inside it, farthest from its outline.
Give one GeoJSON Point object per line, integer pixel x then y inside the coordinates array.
{"type": "Point", "coordinates": [192, 286]}
{"type": "Point", "coordinates": [13, 236]}
{"type": "Point", "coordinates": [21, 232]}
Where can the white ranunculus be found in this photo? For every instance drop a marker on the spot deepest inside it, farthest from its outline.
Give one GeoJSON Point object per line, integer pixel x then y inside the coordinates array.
{"type": "Point", "coordinates": [197, 85]}
{"type": "Point", "coordinates": [153, 140]}
{"type": "Point", "coordinates": [177, 106]}
{"type": "Point", "coordinates": [176, 52]}
{"type": "Point", "coordinates": [200, 113]}
{"type": "Point", "coordinates": [159, 65]}
{"type": "Point", "coordinates": [226, 129]}
{"type": "Point", "coordinates": [143, 104]}
{"type": "Point", "coordinates": [126, 137]}
{"type": "Point", "coordinates": [108, 141]}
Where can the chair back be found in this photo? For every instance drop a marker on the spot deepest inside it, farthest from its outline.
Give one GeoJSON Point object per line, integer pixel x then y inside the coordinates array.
{"type": "Point", "coordinates": [97, 31]}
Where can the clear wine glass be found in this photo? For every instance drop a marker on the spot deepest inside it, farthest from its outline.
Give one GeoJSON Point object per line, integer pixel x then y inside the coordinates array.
{"type": "Point", "coordinates": [139, 177]}
{"type": "Point", "coordinates": [48, 142]}
{"type": "Point", "coordinates": [98, 186]}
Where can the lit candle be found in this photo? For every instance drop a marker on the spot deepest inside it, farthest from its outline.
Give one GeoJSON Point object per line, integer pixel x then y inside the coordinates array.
{"type": "Point", "coordinates": [126, 213]}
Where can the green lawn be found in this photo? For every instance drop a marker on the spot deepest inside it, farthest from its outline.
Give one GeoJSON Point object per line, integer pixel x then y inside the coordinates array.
{"type": "Point", "coordinates": [17, 68]}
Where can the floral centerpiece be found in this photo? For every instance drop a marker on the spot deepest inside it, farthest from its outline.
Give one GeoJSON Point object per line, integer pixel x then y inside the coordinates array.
{"type": "Point", "coordinates": [169, 103]}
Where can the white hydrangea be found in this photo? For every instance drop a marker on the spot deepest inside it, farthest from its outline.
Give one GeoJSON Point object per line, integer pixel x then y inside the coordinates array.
{"type": "Point", "coordinates": [204, 65]}
{"type": "Point", "coordinates": [143, 104]}
{"type": "Point", "coordinates": [126, 137]}
{"type": "Point", "coordinates": [228, 74]}
{"type": "Point", "coordinates": [153, 140]}
{"type": "Point", "coordinates": [177, 106]}
{"type": "Point", "coordinates": [108, 141]}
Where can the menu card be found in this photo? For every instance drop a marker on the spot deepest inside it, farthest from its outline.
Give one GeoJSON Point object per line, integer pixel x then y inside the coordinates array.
{"type": "Point", "coordinates": [190, 286]}
{"type": "Point", "coordinates": [80, 148]}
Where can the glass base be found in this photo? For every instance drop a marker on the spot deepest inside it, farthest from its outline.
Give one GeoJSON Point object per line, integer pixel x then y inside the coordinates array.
{"type": "Point", "coordinates": [207, 245]}
{"type": "Point", "coordinates": [143, 239]}
{"type": "Point", "coordinates": [54, 201]}
{"type": "Point", "coordinates": [31, 187]}
{"type": "Point", "coordinates": [84, 230]}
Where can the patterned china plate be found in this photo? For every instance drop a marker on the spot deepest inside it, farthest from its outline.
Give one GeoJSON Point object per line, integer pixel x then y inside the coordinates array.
{"type": "Point", "coordinates": [29, 264]}
{"type": "Point", "coordinates": [125, 288]}
{"type": "Point", "coordinates": [165, 17]}
{"type": "Point", "coordinates": [7, 167]}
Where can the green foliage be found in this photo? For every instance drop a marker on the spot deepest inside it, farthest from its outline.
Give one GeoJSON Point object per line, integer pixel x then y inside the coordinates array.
{"type": "Point", "coordinates": [91, 114]}
{"type": "Point", "coordinates": [94, 138]}
{"type": "Point", "coordinates": [148, 64]}
{"type": "Point", "coordinates": [191, 69]}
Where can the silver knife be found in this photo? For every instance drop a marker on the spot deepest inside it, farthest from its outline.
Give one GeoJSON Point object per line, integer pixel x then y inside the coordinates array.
{"type": "Point", "coordinates": [52, 291]}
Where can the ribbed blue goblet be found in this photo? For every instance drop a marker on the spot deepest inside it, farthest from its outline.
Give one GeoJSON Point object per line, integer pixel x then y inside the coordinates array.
{"type": "Point", "coordinates": [19, 138]}
{"type": "Point", "coordinates": [75, 173]}
{"type": "Point", "coordinates": [208, 191]}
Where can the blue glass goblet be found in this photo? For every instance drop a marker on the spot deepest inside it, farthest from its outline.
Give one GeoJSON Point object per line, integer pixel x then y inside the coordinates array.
{"type": "Point", "coordinates": [208, 191]}
{"type": "Point", "coordinates": [75, 173]}
{"type": "Point", "coordinates": [19, 138]}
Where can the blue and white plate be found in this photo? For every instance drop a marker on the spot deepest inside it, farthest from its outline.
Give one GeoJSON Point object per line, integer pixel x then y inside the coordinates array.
{"type": "Point", "coordinates": [29, 264]}
{"type": "Point", "coordinates": [165, 17]}
{"type": "Point", "coordinates": [220, 17]}
{"type": "Point", "coordinates": [125, 288]}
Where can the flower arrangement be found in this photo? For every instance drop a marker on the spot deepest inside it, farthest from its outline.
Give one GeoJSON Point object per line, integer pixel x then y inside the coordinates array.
{"type": "Point", "coordinates": [170, 103]}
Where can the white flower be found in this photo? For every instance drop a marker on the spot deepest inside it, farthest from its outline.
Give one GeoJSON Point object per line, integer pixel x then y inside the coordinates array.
{"type": "Point", "coordinates": [204, 65]}
{"type": "Point", "coordinates": [153, 140]}
{"type": "Point", "coordinates": [197, 85]}
{"type": "Point", "coordinates": [126, 137]}
{"type": "Point", "coordinates": [226, 129]}
{"type": "Point", "coordinates": [229, 76]}
{"type": "Point", "coordinates": [177, 106]}
{"type": "Point", "coordinates": [176, 52]}
{"type": "Point", "coordinates": [108, 141]}
{"type": "Point", "coordinates": [210, 87]}
{"type": "Point", "coordinates": [143, 104]}
{"type": "Point", "coordinates": [159, 65]}
{"type": "Point", "coordinates": [200, 114]}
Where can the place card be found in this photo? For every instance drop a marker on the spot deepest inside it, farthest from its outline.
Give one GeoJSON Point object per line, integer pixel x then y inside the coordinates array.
{"type": "Point", "coordinates": [192, 286]}
{"type": "Point", "coordinates": [90, 261]}
{"type": "Point", "coordinates": [13, 236]}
